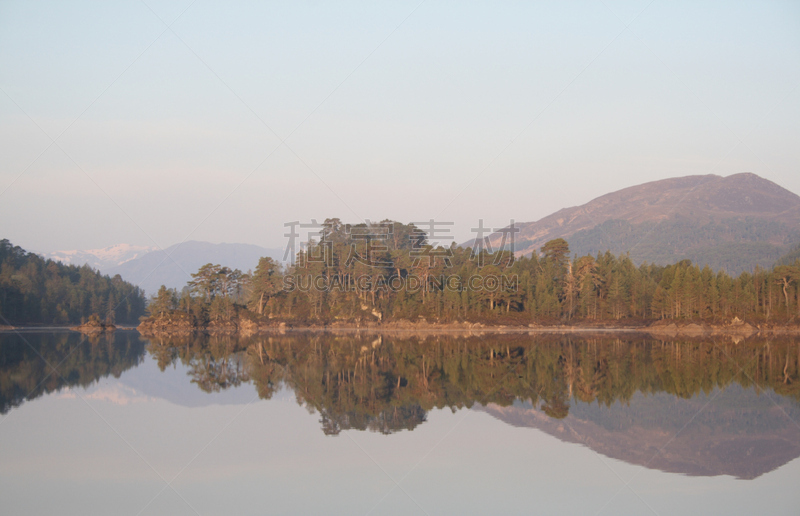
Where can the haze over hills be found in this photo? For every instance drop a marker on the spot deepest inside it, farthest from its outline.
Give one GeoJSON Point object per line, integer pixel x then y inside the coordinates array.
{"type": "Point", "coordinates": [172, 266]}
{"type": "Point", "coordinates": [100, 259]}
{"type": "Point", "coordinates": [732, 223]}
{"type": "Point", "coordinates": [150, 267]}
{"type": "Point", "coordinates": [790, 258]}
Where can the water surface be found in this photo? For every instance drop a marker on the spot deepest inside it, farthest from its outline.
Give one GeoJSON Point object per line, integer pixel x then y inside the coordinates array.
{"type": "Point", "coordinates": [440, 424]}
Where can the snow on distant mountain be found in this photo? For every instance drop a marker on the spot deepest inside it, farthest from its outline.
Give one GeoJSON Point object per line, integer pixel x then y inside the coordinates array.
{"type": "Point", "coordinates": [101, 259]}
{"type": "Point", "coordinates": [151, 267]}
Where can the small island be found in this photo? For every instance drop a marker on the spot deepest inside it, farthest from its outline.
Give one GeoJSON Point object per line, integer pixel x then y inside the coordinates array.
{"type": "Point", "coordinates": [94, 325]}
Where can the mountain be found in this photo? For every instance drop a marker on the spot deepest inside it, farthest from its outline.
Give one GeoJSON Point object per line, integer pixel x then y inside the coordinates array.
{"type": "Point", "coordinates": [172, 266]}
{"type": "Point", "coordinates": [790, 258]}
{"type": "Point", "coordinates": [738, 431]}
{"type": "Point", "coordinates": [732, 223]}
{"type": "Point", "coordinates": [100, 259]}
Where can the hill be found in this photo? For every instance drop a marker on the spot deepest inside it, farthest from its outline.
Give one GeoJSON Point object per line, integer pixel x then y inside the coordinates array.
{"type": "Point", "coordinates": [790, 258]}
{"type": "Point", "coordinates": [732, 223]}
{"type": "Point", "coordinates": [172, 267]}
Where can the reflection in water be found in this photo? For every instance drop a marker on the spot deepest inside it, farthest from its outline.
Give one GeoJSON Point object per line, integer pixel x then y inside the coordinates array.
{"type": "Point", "coordinates": [214, 363]}
{"type": "Point", "coordinates": [732, 431]}
{"type": "Point", "coordinates": [626, 399]}
{"type": "Point", "coordinates": [27, 362]}
{"type": "Point", "coordinates": [623, 398]}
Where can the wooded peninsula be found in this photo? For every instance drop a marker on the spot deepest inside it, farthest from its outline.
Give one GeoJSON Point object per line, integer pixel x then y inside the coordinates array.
{"type": "Point", "coordinates": [36, 291]}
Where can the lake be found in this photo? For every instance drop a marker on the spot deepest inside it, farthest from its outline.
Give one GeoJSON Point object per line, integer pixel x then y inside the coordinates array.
{"type": "Point", "coordinates": [313, 423]}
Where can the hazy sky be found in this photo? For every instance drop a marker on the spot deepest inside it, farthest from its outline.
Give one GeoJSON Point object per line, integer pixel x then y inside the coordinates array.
{"type": "Point", "coordinates": [168, 117]}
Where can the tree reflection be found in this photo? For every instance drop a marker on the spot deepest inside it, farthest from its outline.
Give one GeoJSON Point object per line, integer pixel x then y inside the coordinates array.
{"type": "Point", "coordinates": [387, 384]}
{"type": "Point", "coordinates": [34, 364]}
{"type": "Point", "coordinates": [215, 363]}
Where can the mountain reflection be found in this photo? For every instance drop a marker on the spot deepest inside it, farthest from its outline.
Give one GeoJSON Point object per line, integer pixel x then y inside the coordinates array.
{"type": "Point", "coordinates": [695, 407]}
{"type": "Point", "coordinates": [630, 399]}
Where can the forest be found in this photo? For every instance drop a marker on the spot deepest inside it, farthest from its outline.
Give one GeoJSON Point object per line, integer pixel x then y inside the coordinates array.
{"type": "Point", "coordinates": [390, 271]}
{"type": "Point", "coordinates": [38, 291]}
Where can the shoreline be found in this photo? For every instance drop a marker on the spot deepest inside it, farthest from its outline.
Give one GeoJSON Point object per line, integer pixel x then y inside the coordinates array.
{"type": "Point", "coordinates": [34, 329]}
{"type": "Point", "coordinates": [657, 329]}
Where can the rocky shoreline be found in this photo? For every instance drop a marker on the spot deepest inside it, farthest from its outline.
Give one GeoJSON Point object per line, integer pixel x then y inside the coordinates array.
{"type": "Point", "coordinates": [662, 328]}
{"type": "Point", "coordinates": [94, 327]}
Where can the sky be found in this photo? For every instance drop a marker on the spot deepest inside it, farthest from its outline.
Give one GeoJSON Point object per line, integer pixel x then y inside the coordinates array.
{"type": "Point", "coordinates": [151, 123]}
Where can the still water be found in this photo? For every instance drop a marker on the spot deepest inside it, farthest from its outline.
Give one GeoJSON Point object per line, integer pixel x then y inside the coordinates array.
{"type": "Point", "coordinates": [366, 424]}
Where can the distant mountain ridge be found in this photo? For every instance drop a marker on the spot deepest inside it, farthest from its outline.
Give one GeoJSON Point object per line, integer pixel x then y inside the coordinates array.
{"type": "Point", "coordinates": [733, 223]}
{"type": "Point", "coordinates": [100, 259]}
{"type": "Point", "coordinates": [173, 266]}
{"type": "Point", "coordinates": [149, 267]}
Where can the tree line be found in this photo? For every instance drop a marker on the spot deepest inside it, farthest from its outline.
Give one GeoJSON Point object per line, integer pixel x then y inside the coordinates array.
{"type": "Point", "coordinates": [390, 271]}
{"type": "Point", "coordinates": [34, 290]}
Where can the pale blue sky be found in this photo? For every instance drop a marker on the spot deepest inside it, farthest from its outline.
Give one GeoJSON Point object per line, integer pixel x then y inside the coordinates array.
{"type": "Point", "coordinates": [399, 110]}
